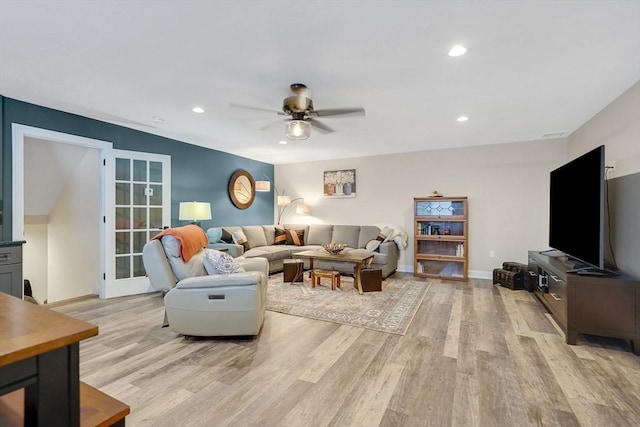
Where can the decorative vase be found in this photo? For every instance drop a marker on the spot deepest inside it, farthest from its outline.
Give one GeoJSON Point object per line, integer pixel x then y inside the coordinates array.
{"type": "Point", "coordinates": [346, 188]}
{"type": "Point", "coordinates": [329, 189]}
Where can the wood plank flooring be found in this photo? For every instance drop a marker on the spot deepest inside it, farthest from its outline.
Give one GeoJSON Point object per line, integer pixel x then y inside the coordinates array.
{"type": "Point", "coordinates": [474, 355]}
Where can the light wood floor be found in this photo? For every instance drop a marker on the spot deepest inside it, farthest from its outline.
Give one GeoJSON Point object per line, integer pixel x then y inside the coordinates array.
{"type": "Point", "coordinates": [474, 355]}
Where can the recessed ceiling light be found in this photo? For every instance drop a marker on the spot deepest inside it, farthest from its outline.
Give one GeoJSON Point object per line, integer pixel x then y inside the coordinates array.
{"type": "Point", "coordinates": [198, 110]}
{"type": "Point", "coordinates": [457, 50]}
{"type": "Point", "coordinates": [283, 142]}
{"type": "Point", "coordinates": [462, 119]}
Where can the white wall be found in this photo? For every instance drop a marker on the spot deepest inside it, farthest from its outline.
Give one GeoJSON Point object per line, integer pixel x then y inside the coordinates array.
{"type": "Point", "coordinates": [74, 266]}
{"type": "Point", "coordinates": [617, 126]}
{"type": "Point", "coordinates": [507, 187]}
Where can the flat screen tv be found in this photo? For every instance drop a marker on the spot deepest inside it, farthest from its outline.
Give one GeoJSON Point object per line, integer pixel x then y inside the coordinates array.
{"type": "Point", "coordinates": [576, 220]}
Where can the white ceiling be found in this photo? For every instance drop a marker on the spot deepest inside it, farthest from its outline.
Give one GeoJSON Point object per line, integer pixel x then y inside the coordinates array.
{"type": "Point", "coordinates": [533, 67]}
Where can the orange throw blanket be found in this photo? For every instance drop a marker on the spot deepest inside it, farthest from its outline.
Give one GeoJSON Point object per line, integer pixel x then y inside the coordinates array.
{"type": "Point", "coordinates": [192, 238]}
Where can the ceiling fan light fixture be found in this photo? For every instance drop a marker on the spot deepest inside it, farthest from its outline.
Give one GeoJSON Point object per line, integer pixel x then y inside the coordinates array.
{"type": "Point", "coordinates": [298, 130]}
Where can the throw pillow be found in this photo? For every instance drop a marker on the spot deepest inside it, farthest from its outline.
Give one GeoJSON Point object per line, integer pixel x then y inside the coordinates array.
{"type": "Point", "coordinates": [226, 236]}
{"type": "Point", "coordinates": [373, 245]}
{"type": "Point", "coordinates": [240, 239]}
{"type": "Point", "coordinates": [215, 235]}
{"type": "Point", "coordinates": [216, 262]}
{"type": "Point", "coordinates": [295, 237]}
{"type": "Point", "coordinates": [384, 234]}
{"type": "Point", "coordinates": [281, 236]}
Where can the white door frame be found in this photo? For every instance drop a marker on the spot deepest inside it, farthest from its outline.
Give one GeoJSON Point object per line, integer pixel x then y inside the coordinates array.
{"type": "Point", "coordinates": [18, 134]}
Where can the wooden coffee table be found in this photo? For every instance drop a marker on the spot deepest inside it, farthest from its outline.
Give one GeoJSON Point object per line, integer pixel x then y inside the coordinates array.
{"type": "Point", "coordinates": [358, 259]}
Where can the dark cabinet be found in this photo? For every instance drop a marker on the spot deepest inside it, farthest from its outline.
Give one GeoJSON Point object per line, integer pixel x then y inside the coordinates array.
{"type": "Point", "coordinates": [605, 306]}
{"type": "Point", "coordinates": [11, 268]}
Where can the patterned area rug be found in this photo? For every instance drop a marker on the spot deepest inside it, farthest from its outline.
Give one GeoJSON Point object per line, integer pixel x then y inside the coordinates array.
{"type": "Point", "coordinates": [390, 310]}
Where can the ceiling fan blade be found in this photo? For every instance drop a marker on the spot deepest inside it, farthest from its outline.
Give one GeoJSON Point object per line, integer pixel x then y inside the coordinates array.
{"type": "Point", "coordinates": [338, 112]}
{"type": "Point", "coordinates": [249, 107]}
{"type": "Point", "coordinates": [319, 125]}
{"type": "Point", "coordinates": [270, 125]}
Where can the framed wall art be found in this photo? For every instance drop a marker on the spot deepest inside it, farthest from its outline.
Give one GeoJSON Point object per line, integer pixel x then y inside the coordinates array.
{"type": "Point", "coordinates": [340, 183]}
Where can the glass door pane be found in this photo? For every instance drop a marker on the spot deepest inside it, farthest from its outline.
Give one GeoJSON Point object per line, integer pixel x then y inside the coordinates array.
{"type": "Point", "coordinates": [140, 201]}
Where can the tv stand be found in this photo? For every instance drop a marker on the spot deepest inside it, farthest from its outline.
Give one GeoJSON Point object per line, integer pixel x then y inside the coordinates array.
{"type": "Point", "coordinates": [592, 271]}
{"type": "Point", "coordinates": [595, 302]}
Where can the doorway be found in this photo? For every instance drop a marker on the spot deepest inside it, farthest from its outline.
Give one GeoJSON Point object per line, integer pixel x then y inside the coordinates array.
{"type": "Point", "coordinates": [57, 204]}
{"type": "Point", "coordinates": [109, 204]}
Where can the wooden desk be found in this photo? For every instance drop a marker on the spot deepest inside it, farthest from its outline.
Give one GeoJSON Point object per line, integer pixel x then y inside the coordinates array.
{"type": "Point", "coordinates": [39, 351]}
{"type": "Point", "coordinates": [97, 409]}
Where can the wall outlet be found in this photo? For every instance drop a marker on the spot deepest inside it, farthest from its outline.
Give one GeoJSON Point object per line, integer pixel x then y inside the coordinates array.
{"type": "Point", "coordinates": [610, 168]}
{"type": "Point", "coordinates": [492, 254]}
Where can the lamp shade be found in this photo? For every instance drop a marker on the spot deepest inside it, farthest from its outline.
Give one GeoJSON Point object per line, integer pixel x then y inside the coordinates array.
{"type": "Point", "coordinates": [298, 129]}
{"type": "Point", "coordinates": [194, 211]}
{"type": "Point", "coordinates": [303, 209]}
{"type": "Point", "coordinates": [284, 200]}
{"type": "Point", "coordinates": [263, 186]}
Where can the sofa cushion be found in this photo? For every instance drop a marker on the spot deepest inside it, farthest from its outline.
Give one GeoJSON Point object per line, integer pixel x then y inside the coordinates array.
{"type": "Point", "coordinates": [255, 236]}
{"type": "Point", "coordinates": [304, 227]}
{"type": "Point", "coordinates": [217, 262]}
{"type": "Point", "coordinates": [181, 269]}
{"type": "Point", "coordinates": [269, 233]}
{"type": "Point", "coordinates": [319, 234]}
{"type": "Point", "coordinates": [367, 233]}
{"type": "Point", "coordinates": [347, 234]}
{"type": "Point", "coordinates": [280, 236]}
{"type": "Point", "coordinates": [271, 253]}
{"type": "Point", "coordinates": [239, 238]}
{"type": "Point", "coordinates": [372, 245]}
{"type": "Point", "coordinates": [226, 234]}
{"type": "Point", "coordinates": [295, 237]}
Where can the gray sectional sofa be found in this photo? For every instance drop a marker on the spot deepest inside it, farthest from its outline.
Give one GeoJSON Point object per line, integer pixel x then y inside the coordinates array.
{"type": "Point", "coordinates": [261, 242]}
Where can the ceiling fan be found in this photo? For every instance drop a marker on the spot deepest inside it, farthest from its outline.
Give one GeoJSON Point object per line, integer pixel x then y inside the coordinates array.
{"type": "Point", "coordinates": [302, 115]}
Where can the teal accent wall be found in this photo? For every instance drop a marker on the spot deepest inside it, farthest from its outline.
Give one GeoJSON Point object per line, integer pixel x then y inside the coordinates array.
{"type": "Point", "coordinates": [197, 173]}
{"type": "Point", "coordinates": [2, 169]}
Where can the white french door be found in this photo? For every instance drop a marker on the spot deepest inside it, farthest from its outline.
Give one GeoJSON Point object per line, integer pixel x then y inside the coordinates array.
{"type": "Point", "coordinates": [137, 207]}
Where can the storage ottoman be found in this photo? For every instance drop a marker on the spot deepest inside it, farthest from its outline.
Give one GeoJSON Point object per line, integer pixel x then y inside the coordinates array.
{"type": "Point", "coordinates": [293, 270]}
{"type": "Point", "coordinates": [511, 275]}
{"type": "Point", "coordinates": [371, 279]}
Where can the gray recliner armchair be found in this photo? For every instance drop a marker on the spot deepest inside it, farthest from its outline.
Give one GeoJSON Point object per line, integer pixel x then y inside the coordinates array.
{"type": "Point", "coordinates": [198, 304]}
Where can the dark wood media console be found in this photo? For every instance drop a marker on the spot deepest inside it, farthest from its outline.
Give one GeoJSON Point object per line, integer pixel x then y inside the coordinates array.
{"type": "Point", "coordinates": [595, 305]}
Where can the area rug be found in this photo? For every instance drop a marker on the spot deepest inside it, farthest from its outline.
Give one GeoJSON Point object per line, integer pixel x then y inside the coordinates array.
{"type": "Point", "coordinates": [390, 310]}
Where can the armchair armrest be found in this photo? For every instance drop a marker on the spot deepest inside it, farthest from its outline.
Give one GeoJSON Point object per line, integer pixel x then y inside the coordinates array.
{"type": "Point", "coordinates": [255, 264]}
{"type": "Point", "coordinates": [232, 249]}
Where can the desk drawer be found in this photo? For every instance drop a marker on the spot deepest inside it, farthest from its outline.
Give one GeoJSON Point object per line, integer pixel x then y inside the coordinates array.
{"type": "Point", "coordinates": [10, 255]}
